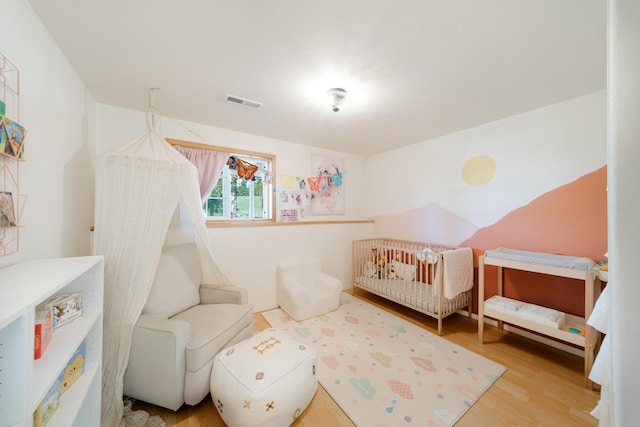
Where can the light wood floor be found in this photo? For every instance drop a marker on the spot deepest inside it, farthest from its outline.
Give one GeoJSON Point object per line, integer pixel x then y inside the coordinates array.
{"type": "Point", "coordinates": [543, 386]}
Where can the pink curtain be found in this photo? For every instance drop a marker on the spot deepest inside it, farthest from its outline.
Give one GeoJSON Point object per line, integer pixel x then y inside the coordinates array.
{"type": "Point", "coordinates": [209, 164]}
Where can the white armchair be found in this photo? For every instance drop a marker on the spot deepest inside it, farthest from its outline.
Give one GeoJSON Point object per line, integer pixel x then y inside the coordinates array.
{"type": "Point", "coordinates": [183, 325]}
{"type": "Point", "coordinates": [304, 291]}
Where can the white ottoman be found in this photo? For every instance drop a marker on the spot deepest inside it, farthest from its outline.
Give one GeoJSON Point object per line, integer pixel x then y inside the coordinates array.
{"type": "Point", "coordinates": [265, 380]}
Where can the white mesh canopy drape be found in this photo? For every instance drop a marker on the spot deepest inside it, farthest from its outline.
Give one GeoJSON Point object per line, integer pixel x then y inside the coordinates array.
{"type": "Point", "coordinates": [147, 197]}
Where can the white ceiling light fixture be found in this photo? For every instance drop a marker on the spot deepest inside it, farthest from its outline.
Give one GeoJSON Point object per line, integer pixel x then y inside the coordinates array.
{"type": "Point", "coordinates": [336, 98]}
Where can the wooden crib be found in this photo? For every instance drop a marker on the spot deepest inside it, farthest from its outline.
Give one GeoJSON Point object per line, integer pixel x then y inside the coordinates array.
{"type": "Point", "coordinates": [405, 272]}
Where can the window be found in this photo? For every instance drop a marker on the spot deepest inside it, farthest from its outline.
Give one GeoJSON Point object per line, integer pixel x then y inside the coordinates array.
{"type": "Point", "coordinates": [234, 197]}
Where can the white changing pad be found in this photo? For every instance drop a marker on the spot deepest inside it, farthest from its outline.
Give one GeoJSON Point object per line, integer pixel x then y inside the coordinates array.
{"type": "Point", "coordinates": [534, 313]}
{"type": "Point", "coordinates": [577, 263]}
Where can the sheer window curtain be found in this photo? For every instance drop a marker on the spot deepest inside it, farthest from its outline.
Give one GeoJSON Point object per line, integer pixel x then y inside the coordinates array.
{"type": "Point", "coordinates": [209, 164]}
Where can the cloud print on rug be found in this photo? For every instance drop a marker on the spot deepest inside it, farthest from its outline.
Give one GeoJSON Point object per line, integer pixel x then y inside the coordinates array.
{"type": "Point", "coordinates": [385, 371]}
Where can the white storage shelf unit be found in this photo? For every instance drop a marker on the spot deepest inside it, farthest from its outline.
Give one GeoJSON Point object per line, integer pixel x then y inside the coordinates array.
{"type": "Point", "coordinates": [13, 346]}
{"type": "Point", "coordinates": [25, 381]}
{"type": "Point", "coordinates": [592, 290]}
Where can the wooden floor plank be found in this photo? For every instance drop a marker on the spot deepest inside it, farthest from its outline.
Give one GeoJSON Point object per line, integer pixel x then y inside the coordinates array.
{"type": "Point", "coordinates": [543, 386]}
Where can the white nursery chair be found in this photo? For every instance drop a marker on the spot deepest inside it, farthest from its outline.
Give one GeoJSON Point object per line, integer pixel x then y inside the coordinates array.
{"type": "Point", "coordinates": [183, 325]}
{"type": "Point", "coordinates": [304, 291]}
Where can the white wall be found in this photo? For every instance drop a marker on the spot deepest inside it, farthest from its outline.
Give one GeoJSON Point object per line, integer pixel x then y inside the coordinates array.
{"type": "Point", "coordinates": [58, 113]}
{"type": "Point", "coordinates": [251, 263]}
{"type": "Point", "coordinates": [249, 255]}
{"type": "Point", "coordinates": [118, 126]}
{"type": "Point", "coordinates": [624, 207]}
{"type": "Point", "coordinates": [534, 152]}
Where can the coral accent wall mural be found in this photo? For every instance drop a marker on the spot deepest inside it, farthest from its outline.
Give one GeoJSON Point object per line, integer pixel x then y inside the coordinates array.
{"type": "Point", "coordinates": [431, 223]}
{"type": "Point", "coordinates": [536, 181]}
{"type": "Point", "coordinates": [569, 220]}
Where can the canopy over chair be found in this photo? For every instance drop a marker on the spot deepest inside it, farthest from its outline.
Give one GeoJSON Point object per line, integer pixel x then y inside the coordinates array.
{"type": "Point", "coordinates": [147, 197]}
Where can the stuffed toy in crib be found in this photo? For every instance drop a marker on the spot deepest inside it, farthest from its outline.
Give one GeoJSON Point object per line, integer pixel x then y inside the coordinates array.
{"type": "Point", "coordinates": [370, 269]}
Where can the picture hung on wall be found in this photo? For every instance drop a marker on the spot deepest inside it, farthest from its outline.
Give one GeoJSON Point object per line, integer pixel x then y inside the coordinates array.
{"type": "Point", "coordinates": [289, 215]}
{"type": "Point", "coordinates": [294, 196]}
{"type": "Point", "coordinates": [7, 213]}
{"type": "Point", "coordinates": [327, 185]}
{"type": "Point", "coordinates": [11, 138]}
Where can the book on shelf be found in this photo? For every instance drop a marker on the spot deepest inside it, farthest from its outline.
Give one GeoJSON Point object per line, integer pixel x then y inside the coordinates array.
{"type": "Point", "coordinates": [43, 330]}
{"type": "Point", "coordinates": [72, 371]}
{"type": "Point", "coordinates": [45, 410]}
{"type": "Point", "coordinates": [11, 138]}
{"type": "Point", "coordinates": [65, 308]}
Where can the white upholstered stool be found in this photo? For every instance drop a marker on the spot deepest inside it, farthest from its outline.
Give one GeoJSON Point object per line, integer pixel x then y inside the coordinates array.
{"type": "Point", "coordinates": [265, 380]}
{"type": "Point", "coordinates": [304, 291]}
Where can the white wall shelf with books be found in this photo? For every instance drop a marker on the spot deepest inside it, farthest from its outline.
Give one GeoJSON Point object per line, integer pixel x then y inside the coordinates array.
{"type": "Point", "coordinates": [23, 287]}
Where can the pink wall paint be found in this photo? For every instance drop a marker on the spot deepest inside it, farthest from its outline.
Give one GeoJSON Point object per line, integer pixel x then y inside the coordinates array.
{"type": "Point", "coordinates": [431, 223]}
{"type": "Point", "coordinates": [569, 220]}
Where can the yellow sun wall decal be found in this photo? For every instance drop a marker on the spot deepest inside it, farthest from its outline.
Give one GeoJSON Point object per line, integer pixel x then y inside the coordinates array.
{"type": "Point", "coordinates": [479, 170]}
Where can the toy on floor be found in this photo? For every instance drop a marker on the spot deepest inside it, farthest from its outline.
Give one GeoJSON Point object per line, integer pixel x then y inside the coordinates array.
{"type": "Point", "coordinates": [575, 329]}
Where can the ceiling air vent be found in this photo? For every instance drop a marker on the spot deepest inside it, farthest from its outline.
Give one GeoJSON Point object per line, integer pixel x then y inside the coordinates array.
{"type": "Point", "coordinates": [243, 101]}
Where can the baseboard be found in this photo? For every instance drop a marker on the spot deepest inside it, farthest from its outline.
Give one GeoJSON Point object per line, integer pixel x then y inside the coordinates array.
{"type": "Point", "coordinates": [529, 335]}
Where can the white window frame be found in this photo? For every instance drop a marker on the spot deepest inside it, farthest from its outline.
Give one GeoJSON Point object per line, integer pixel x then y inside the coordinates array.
{"type": "Point", "coordinates": [227, 175]}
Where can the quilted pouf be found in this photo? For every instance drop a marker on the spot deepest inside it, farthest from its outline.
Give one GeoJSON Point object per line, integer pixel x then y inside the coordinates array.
{"type": "Point", "coordinates": [265, 380]}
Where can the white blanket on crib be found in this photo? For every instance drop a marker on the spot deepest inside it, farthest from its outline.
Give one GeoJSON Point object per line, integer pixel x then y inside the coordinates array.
{"type": "Point", "coordinates": [457, 272]}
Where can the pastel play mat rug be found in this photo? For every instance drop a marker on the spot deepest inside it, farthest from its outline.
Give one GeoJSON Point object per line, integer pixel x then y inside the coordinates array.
{"type": "Point", "coordinates": [385, 371]}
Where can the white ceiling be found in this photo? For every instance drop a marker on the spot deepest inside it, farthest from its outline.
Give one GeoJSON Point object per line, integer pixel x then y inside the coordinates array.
{"type": "Point", "coordinates": [413, 69]}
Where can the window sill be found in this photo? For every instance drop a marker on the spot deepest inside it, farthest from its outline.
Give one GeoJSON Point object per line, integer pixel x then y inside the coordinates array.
{"type": "Point", "coordinates": [232, 224]}
{"type": "Point", "coordinates": [260, 223]}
